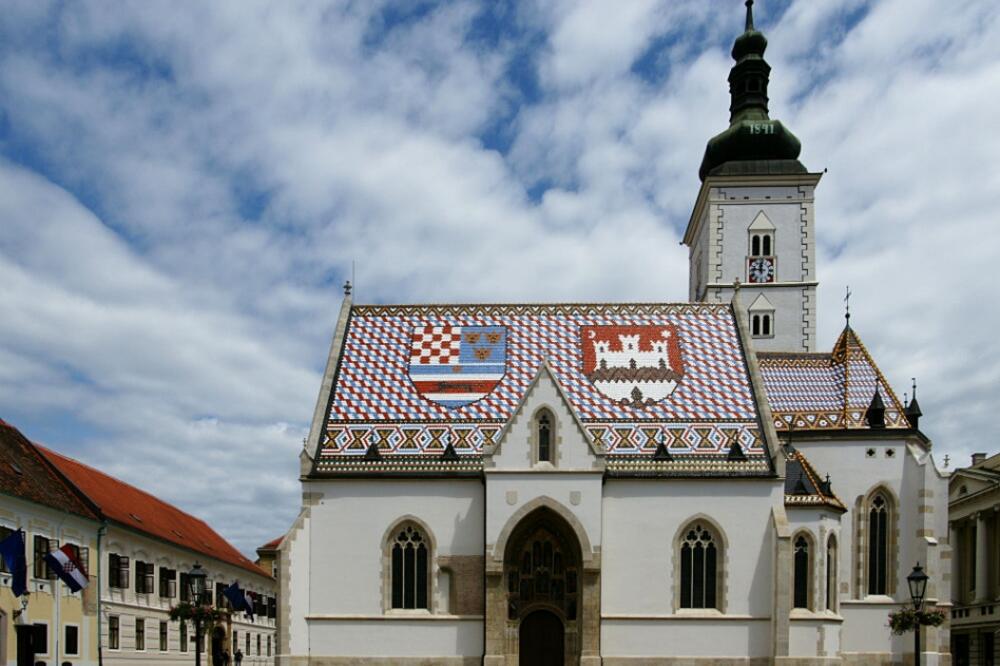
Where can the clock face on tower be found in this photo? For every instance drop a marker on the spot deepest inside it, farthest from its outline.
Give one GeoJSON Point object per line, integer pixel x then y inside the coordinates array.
{"type": "Point", "coordinates": [760, 270]}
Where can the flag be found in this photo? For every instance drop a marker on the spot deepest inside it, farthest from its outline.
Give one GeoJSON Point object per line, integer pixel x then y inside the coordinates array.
{"type": "Point", "coordinates": [12, 551]}
{"type": "Point", "coordinates": [248, 604]}
{"type": "Point", "coordinates": [68, 567]}
{"type": "Point", "coordinates": [236, 597]}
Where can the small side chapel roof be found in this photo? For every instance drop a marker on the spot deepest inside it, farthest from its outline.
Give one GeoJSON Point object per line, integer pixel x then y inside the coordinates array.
{"type": "Point", "coordinates": [827, 391]}
{"type": "Point", "coordinates": [803, 486]}
{"type": "Point", "coordinates": [382, 417]}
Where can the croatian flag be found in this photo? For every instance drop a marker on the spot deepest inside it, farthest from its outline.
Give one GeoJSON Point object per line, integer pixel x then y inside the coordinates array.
{"type": "Point", "coordinates": [248, 607]}
{"type": "Point", "coordinates": [68, 568]}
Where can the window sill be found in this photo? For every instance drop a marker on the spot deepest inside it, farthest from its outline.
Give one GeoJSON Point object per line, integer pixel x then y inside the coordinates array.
{"type": "Point", "coordinates": [806, 614]}
{"type": "Point", "coordinates": [699, 612]}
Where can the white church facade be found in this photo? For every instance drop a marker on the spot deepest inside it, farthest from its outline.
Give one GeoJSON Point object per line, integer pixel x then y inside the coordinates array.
{"type": "Point", "coordinates": [621, 484]}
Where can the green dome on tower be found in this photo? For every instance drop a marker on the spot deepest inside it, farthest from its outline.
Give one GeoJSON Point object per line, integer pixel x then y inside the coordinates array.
{"type": "Point", "coordinates": [753, 143]}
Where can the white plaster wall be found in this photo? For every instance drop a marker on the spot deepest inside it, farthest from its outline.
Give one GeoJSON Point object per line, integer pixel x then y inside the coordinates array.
{"type": "Point", "coordinates": [685, 638]}
{"type": "Point", "coordinates": [351, 520]}
{"type": "Point", "coordinates": [295, 550]}
{"type": "Point", "coordinates": [507, 493]}
{"type": "Point", "coordinates": [396, 638]}
{"type": "Point", "coordinates": [641, 520]}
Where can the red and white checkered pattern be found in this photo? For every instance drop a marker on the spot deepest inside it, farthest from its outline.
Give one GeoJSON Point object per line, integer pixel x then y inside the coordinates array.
{"type": "Point", "coordinates": [436, 345]}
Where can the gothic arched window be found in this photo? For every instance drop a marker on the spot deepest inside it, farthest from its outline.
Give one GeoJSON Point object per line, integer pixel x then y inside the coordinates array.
{"type": "Point", "coordinates": [802, 567]}
{"type": "Point", "coordinates": [878, 545]}
{"type": "Point", "coordinates": [831, 573]}
{"type": "Point", "coordinates": [699, 567]}
{"type": "Point", "coordinates": [410, 557]}
{"type": "Point", "coordinates": [543, 431]}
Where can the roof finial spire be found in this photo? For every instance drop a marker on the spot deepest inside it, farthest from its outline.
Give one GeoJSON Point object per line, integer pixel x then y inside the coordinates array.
{"type": "Point", "coordinates": [914, 380]}
{"type": "Point", "coordinates": [347, 288]}
{"type": "Point", "coordinates": [749, 4]}
{"type": "Point", "coordinates": [847, 306]}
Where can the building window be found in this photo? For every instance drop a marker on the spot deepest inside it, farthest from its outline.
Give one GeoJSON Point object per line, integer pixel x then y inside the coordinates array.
{"type": "Point", "coordinates": [168, 583]}
{"type": "Point", "coordinates": [272, 607]}
{"type": "Point", "coordinates": [144, 577]}
{"type": "Point", "coordinates": [879, 516]}
{"type": "Point", "coordinates": [221, 600]}
{"type": "Point", "coordinates": [410, 568]}
{"type": "Point", "coordinates": [140, 634]}
{"type": "Point", "coordinates": [258, 645]}
{"type": "Point", "coordinates": [543, 427]}
{"type": "Point", "coordinates": [4, 533]}
{"type": "Point", "coordinates": [802, 567]}
{"type": "Point", "coordinates": [42, 547]}
{"type": "Point", "coordinates": [163, 636]}
{"type": "Point", "coordinates": [185, 584]}
{"type": "Point", "coordinates": [247, 641]}
{"type": "Point", "coordinates": [183, 636]}
{"type": "Point", "coordinates": [268, 646]}
{"type": "Point", "coordinates": [71, 644]}
{"type": "Point", "coordinates": [113, 633]}
{"type": "Point", "coordinates": [699, 568]}
{"type": "Point", "coordinates": [760, 325]}
{"type": "Point", "coordinates": [118, 565]}
{"type": "Point", "coordinates": [761, 244]}
{"type": "Point", "coordinates": [831, 574]}
{"type": "Point", "coordinates": [41, 638]}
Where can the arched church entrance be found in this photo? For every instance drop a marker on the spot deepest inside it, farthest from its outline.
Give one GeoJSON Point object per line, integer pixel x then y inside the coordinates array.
{"type": "Point", "coordinates": [541, 639]}
{"type": "Point", "coordinates": [542, 574]}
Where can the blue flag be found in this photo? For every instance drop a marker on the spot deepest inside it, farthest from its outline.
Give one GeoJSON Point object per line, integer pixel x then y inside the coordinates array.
{"type": "Point", "coordinates": [236, 597]}
{"type": "Point", "coordinates": [248, 604]}
{"type": "Point", "coordinates": [12, 551]}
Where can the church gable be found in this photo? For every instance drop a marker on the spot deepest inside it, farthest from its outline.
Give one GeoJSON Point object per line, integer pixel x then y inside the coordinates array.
{"type": "Point", "coordinates": [544, 433]}
{"type": "Point", "coordinates": [440, 383]}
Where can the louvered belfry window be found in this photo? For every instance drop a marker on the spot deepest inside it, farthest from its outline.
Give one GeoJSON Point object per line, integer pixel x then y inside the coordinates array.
{"type": "Point", "coordinates": [699, 559]}
{"type": "Point", "coordinates": [409, 569]}
{"type": "Point", "coordinates": [878, 546]}
{"type": "Point", "coordinates": [801, 586]}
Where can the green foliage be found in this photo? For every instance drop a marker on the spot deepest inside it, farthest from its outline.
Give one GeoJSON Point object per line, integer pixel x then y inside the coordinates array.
{"type": "Point", "coordinates": [907, 619]}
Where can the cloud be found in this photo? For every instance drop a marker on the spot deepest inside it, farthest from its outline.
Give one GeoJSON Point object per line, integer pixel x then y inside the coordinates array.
{"type": "Point", "coordinates": [182, 193]}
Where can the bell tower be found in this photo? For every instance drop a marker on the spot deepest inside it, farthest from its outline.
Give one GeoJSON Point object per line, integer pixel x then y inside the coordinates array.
{"type": "Point", "coordinates": [753, 220]}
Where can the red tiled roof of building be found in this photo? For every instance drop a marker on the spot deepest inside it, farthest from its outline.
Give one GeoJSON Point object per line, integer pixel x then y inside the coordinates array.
{"type": "Point", "coordinates": [272, 544]}
{"type": "Point", "coordinates": [25, 473]}
{"type": "Point", "coordinates": [138, 510]}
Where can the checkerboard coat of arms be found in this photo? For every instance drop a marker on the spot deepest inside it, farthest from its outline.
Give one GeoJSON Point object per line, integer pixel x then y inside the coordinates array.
{"type": "Point", "coordinates": [457, 365]}
{"type": "Point", "coordinates": [633, 365]}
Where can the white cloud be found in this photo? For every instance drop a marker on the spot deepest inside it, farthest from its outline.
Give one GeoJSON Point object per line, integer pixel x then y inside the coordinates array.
{"type": "Point", "coordinates": [184, 192]}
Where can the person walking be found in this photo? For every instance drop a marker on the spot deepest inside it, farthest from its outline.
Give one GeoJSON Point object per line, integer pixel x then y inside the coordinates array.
{"type": "Point", "coordinates": [239, 657]}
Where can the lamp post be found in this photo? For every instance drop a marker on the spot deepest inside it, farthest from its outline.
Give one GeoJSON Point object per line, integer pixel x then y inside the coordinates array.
{"type": "Point", "coordinates": [917, 580]}
{"type": "Point", "coordinates": [196, 582]}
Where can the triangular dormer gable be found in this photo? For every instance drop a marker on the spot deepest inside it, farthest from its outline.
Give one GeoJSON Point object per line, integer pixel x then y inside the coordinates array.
{"type": "Point", "coordinates": [761, 223]}
{"type": "Point", "coordinates": [965, 483]}
{"type": "Point", "coordinates": [519, 444]}
{"type": "Point", "coordinates": [761, 304]}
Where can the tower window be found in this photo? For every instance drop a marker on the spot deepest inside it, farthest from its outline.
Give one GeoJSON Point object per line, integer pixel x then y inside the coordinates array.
{"type": "Point", "coordinates": [761, 244]}
{"type": "Point", "coordinates": [761, 325]}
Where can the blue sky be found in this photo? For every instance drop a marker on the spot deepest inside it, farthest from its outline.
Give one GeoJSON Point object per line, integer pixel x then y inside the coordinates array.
{"type": "Point", "coordinates": [182, 193]}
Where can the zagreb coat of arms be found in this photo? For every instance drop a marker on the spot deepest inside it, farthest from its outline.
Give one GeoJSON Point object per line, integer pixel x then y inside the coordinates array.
{"type": "Point", "coordinates": [457, 365]}
{"type": "Point", "coordinates": [633, 365]}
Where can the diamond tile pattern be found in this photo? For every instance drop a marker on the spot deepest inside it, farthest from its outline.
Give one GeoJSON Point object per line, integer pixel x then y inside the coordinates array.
{"type": "Point", "coordinates": [373, 386]}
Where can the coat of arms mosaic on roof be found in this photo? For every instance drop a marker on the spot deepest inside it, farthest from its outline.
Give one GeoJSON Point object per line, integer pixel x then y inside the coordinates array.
{"type": "Point", "coordinates": [416, 379]}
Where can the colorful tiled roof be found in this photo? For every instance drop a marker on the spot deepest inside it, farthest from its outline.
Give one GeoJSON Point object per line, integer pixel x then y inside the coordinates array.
{"type": "Point", "coordinates": [414, 379]}
{"type": "Point", "coordinates": [803, 486]}
{"type": "Point", "coordinates": [25, 473]}
{"type": "Point", "coordinates": [827, 391]}
{"type": "Point", "coordinates": [138, 510]}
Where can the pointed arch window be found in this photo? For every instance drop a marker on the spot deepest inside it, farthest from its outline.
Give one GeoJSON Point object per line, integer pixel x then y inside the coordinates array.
{"type": "Point", "coordinates": [831, 574]}
{"type": "Point", "coordinates": [543, 434]}
{"type": "Point", "coordinates": [802, 568]}
{"type": "Point", "coordinates": [878, 545]}
{"type": "Point", "coordinates": [699, 567]}
{"type": "Point", "coordinates": [410, 567]}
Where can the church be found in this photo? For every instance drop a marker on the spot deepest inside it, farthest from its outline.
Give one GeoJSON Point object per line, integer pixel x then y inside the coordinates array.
{"type": "Point", "coordinates": [624, 484]}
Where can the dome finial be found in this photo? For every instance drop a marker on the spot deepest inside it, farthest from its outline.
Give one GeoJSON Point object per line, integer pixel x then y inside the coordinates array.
{"type": "Point", "coordinates": [749, 4]}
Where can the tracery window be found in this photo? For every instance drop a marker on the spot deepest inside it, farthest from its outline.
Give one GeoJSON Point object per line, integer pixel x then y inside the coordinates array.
{"type": "Point", "coordinates": [801, 580]}
{"type": "Point", "coordinates": [878, 545]}
{"type": "Point", "coordinates": [699, 562]}
{"type": "Point", "coordinates": [410, 567]}
{"type": "Point", "coordinates": [831, 573]}
{"type": "Point", "coordinates": [545, 571]}
{"type": "Point", "coordinates": [544, 434]}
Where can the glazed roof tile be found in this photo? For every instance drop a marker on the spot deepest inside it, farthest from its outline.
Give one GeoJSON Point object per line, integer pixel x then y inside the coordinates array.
{"type": "Point", "coordinates": [140, 511]}
{"type": "Point", "coordinates": [803, 486]}
{"type": "Point", "coordinates": [378, 397]}
{"type": "Point", "coordinates": [827, 391]}
{"type": "Point", "coordinates": [26, 473]}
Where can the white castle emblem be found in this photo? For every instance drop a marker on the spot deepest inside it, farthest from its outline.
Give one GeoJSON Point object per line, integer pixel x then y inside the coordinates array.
{"type": "Point", "coordinates": [633, 365]}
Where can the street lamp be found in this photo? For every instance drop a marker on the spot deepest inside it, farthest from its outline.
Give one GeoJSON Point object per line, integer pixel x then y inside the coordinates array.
{"type": "Point", "coordinates": [196, 583]}
{"type": "Point", "coordinates": [917, 580]}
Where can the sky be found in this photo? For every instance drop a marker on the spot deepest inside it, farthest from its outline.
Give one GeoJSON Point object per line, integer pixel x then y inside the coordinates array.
{"type": "Point", "coordinates": [184, 189]}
